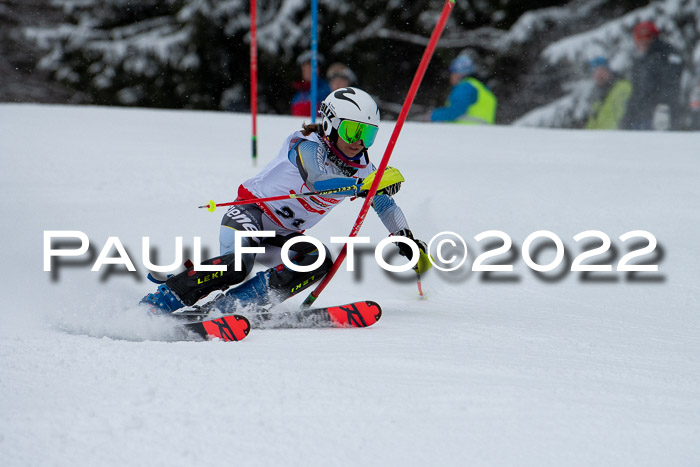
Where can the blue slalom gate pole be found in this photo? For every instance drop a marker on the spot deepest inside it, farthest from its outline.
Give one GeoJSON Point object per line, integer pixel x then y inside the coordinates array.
{"type": "Point", "coordinates": [314, 58]}
{"type": "Point", "coordinates": [254, 78]}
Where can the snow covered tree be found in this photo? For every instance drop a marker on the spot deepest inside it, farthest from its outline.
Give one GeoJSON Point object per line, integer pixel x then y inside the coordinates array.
{"type": "Point", "coordinates": [157, 53]}
{"type": "Point", "coordinates": [195, 53]}
{"type": "Point", "coordinates": [679, 23]}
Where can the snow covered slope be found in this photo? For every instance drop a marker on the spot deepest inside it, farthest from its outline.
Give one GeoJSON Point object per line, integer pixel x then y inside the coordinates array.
{"type": "Point", "coordinates": [511, 368]}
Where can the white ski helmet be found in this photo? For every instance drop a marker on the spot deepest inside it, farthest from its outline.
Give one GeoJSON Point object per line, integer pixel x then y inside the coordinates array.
{"type": "Point", "coordinates": [357, 108]}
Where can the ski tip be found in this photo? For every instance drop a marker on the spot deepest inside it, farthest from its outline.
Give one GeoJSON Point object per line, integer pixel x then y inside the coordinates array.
{"type": "Point", "coordinates": [358, 314]}
{"type": "Point", "coordinates": [229, 328]}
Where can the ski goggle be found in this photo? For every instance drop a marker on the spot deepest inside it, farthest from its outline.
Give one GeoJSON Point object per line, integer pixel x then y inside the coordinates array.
{"type": "Point", "coordinates": [352, 132]}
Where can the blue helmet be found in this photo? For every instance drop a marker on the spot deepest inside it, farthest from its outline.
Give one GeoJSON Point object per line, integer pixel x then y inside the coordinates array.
{"type": "Point", "coordinates": [462, 65]}
{"type": "Point", "coordinates": [598, 61]}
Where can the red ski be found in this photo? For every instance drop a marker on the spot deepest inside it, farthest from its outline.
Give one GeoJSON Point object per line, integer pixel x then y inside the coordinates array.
{"type": "Point", "coordinates": [355, 314]}
{"type": "Point", "coordinates": [227, 328]}
{"type": "Point", "coordinates": [237, 327]}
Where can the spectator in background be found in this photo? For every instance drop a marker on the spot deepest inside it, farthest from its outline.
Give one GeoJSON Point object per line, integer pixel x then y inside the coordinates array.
{"type": "Point", "coordinates": [470, 101]}
{"type": "Point", "coordinates": [301, 102]}
{"type": "Point", "coordinates": [656, 81]}
{"type": "Point", "coordinates": [694, 105]}
{"type": "Point", "coordinates": [610, 96]}
{"type": "Point", "coordinates": [340, 76]}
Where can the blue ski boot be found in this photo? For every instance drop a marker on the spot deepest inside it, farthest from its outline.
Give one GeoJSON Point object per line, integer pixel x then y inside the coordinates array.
{"type": "Point", "coordinates": [163, 301]}
{"type": "Point", "coordinates": [255, 291]}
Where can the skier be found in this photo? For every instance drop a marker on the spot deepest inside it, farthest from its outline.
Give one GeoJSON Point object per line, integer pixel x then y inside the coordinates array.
{"type": "Point", "coordinates": [332, 155]}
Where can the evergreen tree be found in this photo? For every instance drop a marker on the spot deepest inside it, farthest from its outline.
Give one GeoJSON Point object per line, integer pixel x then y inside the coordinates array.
{"type": "Point", "coordinates": [195, 53]}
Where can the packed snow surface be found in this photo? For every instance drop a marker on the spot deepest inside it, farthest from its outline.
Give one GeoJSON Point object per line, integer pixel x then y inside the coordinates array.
{"type": "Point", "coordinates": [503, 368]}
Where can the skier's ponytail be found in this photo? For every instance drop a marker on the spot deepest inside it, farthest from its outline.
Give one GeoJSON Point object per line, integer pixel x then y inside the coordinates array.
{"type": "Point", "coordinates": [310, 128]}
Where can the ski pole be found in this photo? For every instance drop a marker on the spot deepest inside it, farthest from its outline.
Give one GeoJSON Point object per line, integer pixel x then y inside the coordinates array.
{"type": "Point", "coordinates": [417, 78]}
{"type": "Point", "coordinates": [420, 287]}
{"type": "Point", "coordinates": [212, 205]}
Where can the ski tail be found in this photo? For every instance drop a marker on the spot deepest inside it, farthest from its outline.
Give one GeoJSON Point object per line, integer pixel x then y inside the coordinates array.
{"type": "Point", "coordinates": [230, 328]}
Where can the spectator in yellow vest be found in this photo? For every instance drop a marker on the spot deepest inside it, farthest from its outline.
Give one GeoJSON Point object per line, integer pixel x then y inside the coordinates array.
{"type": "Point", "coordinates": [610, 96]}
{"type": "Point", "coordinates": [470, 101]}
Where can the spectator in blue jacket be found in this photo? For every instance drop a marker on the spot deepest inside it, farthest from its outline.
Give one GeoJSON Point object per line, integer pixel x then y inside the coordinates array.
{"type": "Point", "coordinates": [470, 101]}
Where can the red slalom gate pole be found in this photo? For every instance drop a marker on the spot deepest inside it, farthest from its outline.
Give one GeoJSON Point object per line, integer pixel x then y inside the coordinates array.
{"type": "Point", "coordinates": [254, 78]}
{"type": "Point", "coordinates": [417, 78]}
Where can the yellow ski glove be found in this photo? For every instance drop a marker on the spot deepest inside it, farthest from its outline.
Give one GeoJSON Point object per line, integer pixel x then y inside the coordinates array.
{"type": "Point", "coordinates": [390, 183]}
{"type": "Point", "coordinates": [424, 261]}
